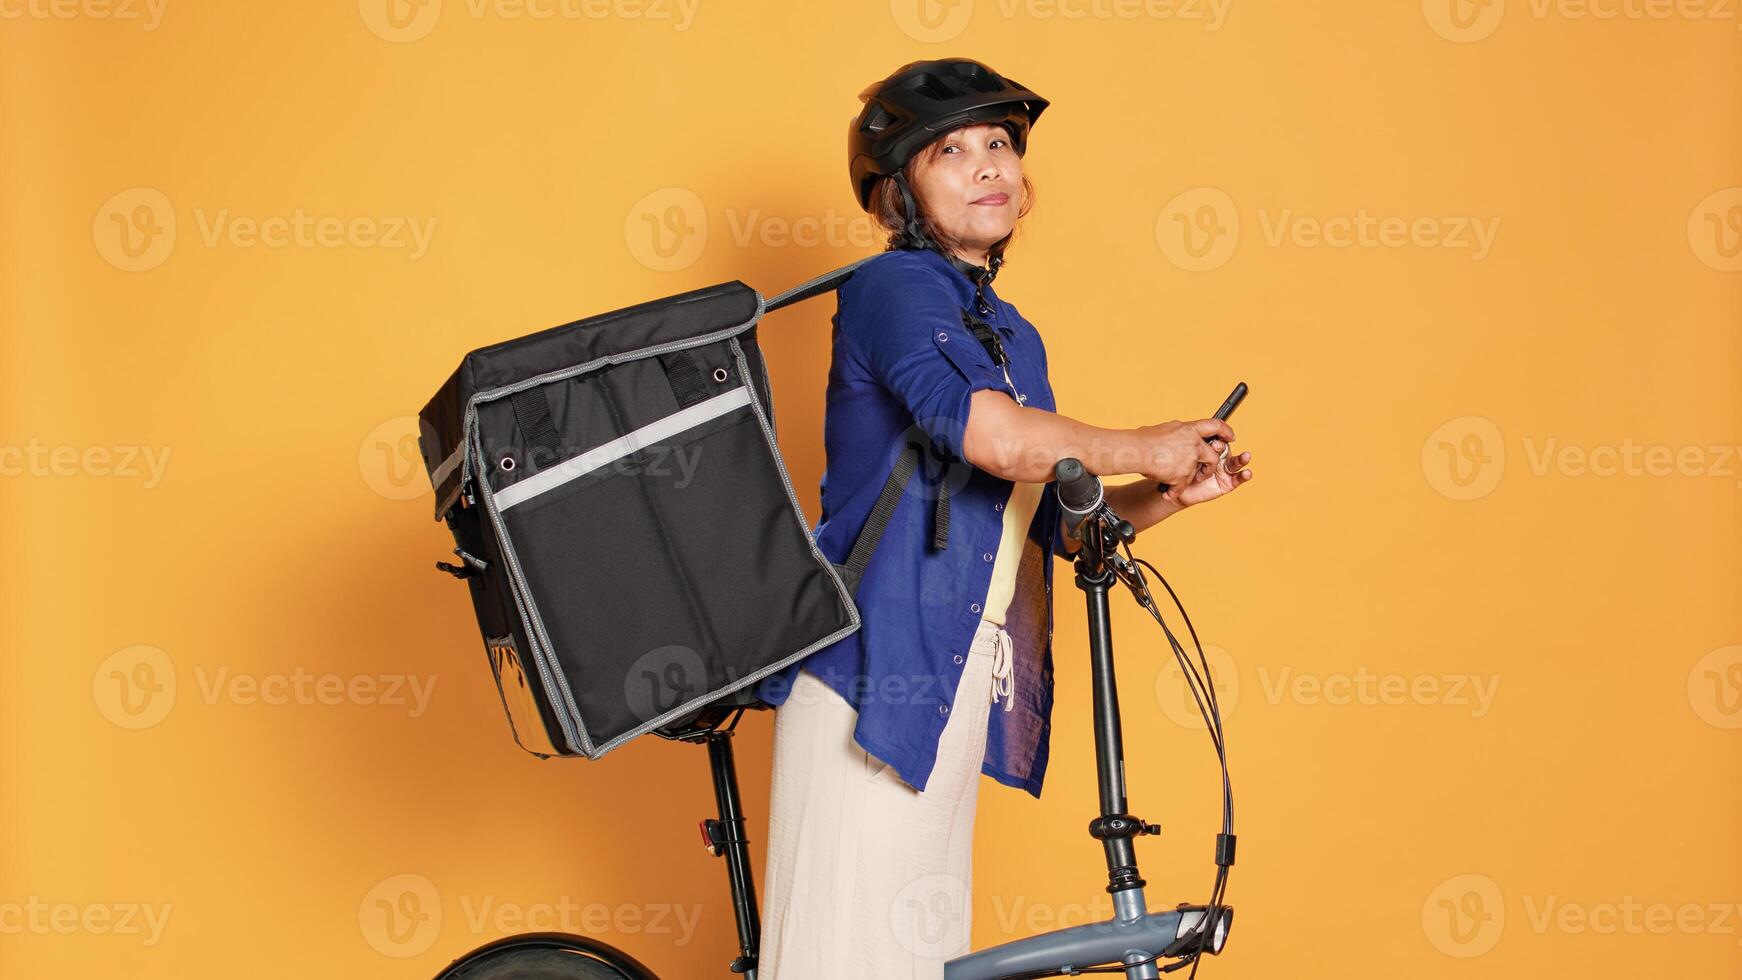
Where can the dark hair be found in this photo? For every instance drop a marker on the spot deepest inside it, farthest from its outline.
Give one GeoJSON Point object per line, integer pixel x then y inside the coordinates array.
{"type": "Point", "coordinates": [887, 209]}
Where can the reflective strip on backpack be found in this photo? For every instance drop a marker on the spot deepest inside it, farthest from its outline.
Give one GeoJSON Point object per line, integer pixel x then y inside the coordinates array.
{"type": "Point", "coordinates": [622, 446]}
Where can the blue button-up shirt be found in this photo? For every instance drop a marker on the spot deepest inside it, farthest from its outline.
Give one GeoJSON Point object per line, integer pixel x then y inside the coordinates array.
{"type": "Point", "coordinates": [903, 361]}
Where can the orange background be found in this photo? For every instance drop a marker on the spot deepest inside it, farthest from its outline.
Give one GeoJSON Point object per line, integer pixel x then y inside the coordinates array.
{"type": "Point", "coordinates": [289, 532]}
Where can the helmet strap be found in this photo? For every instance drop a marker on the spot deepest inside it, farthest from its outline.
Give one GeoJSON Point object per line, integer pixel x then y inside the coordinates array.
{"type": "Point", "coordinates": [914, 237]}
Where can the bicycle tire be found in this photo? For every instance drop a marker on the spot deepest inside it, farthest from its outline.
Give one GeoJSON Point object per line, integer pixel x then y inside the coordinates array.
{"type": "Point", "coordinates": [547, 956]}
{"type": "Point", "coordinates": [539, 964]}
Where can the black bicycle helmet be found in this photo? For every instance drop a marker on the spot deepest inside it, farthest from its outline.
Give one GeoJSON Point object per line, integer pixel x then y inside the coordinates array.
{"type": "Point", "coordinates": [920, 102]}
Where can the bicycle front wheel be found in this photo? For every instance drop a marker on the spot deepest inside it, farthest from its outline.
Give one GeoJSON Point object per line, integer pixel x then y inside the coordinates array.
{"type": "Point", "coordinates": [547, 956]}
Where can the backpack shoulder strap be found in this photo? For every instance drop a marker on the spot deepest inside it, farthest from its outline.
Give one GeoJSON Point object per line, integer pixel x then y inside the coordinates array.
{"type": "Point", "coordinates": [816, 287]}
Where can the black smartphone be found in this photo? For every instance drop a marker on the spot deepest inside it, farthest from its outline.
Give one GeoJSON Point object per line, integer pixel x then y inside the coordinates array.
{"type": "Point", "coordinates": [1227, 409]}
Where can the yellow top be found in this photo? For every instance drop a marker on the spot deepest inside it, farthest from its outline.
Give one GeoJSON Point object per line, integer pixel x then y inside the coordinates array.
{"type": "Point", "coordinates": [1018, 515]}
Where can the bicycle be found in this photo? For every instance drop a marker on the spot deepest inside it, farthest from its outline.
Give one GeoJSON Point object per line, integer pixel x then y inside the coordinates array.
{"type": "Point", "coordinates": [1134, 941]}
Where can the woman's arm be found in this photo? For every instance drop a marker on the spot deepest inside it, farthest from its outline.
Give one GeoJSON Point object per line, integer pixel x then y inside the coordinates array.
{"type": "Point", "coordinates": [1024, 444]}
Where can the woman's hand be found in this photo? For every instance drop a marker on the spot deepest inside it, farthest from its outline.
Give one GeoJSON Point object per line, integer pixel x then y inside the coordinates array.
{"type": "Point", "coordinates": [1175, 452]}
{"type": "Point", "coordinates": [1211, 480]}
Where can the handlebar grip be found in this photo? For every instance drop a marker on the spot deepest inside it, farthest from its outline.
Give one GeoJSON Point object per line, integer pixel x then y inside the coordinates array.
{"type": "Point", "coordinates": [1079, 490]}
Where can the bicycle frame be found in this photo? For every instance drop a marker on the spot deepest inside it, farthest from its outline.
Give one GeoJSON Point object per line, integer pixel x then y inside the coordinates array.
{"type": "Point", "coordinates": [1133, 935]}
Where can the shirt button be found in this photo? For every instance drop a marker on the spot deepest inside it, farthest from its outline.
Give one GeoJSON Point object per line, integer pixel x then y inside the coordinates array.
{"type": "Point", "coordinates": [958, 658]}
{"type": "Point", "coordinates": [986, 557]}
{"type": "Point", "coordinates": [943, 709]}
{"type": "Point", "coordinates": [997, 506]}
{"type": "Point", "coordinates": [974, 608]}
{"type": "Point", "coordinates": [942, 336]}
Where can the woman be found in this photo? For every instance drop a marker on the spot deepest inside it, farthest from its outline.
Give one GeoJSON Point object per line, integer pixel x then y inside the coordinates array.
{"type": "Point", "coordinates": [880, 738]}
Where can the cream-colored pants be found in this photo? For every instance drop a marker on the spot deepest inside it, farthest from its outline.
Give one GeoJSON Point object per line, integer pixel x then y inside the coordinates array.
{"type": "Point", "coordinates": [868, 878]}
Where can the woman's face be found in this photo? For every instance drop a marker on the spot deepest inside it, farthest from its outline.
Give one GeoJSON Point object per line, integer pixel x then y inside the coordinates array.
{"type": "Point", "coordinates": [971, 186]}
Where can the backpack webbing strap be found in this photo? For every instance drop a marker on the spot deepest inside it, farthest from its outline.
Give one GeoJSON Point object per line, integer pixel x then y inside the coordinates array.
{"type": "Point", "coordinates": [685, 378]}
{"type": "Point", "coordinates": [987, 337]}
{"type": "Point", "coordinates": [532, 415]}
{"type": "Point", "coordinates": [882, 511]}
{"type": "Point", "coordinates": [816, 287]}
